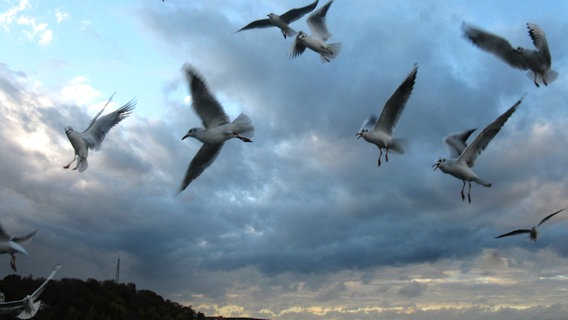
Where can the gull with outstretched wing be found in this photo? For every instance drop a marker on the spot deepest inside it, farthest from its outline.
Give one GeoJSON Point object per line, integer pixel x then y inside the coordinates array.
{"type": "Point", "coordinates": [12, 245]}
{"type": "Point", "coordinates": [533, 232]}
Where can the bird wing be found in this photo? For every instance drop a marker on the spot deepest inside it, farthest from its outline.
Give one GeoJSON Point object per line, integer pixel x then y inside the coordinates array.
{"type": "Point", "coordinates": [10, 306]}
{"type": "Point", "coordinates": [203, 159]}
{"type": "Point", "coordinates": [484, 137]}
{"type": "Point", "coordinates": [496, 45]}
{"type": "Point", "coordinates": [25, 238]}
{"type": "Point", "coordinates": [298, 46]}
{"type": "Point", "coordinates": [95, 133]}
{"type": "Point", "coordinates": [549, 216]}
{"type": "Point", "coordinates": [3, 234]}
{"type": "Point", "coordinates": [457, 142]}
{"type": "Point", "coordinates": [369, 122]}
{"type": "Point", "coordinates": [204, 103]}
{"type": "Point", "coordinates": [295, 14]}
{"type": "Point", "coordinates": [539, 41]}
{"type": "Point", "coordinates": [39, 290]}
{"type": "Point", "coordinates": [100, 112]}
{"type": "Point", "coordinates": [514, 232]}
{"type": "Point", "coordinates": [316, 22]}
{"type": "Point", "coordinates": [395, 104]}
{"type": "Point", "coordinates": [262, 23]}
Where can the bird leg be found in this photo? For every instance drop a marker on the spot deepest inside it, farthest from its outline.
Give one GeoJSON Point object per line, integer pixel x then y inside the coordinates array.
{"type": "Point", "coordinates": [78, 162]}
{"type": "Point", "coordinates": [469, 192]}
{"type": "Point", "coordinates": [379, 159]}
{"type": "Point", "coordinates": [535, 82]}
{"type": "Point", "coordinates": [67, 166]}
{"type": "Point", "coordinates": [387, 155]}
{"type": "Point", "coordinates": [13, 262]}
{"type": "Point", "coordinates": [462, 194]}
{"type": "Point", "coordinates": [243, 139]}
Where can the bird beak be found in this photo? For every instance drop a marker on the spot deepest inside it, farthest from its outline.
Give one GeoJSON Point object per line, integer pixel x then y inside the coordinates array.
{"type": "Point", "coordinates": [187, 135]}
{"type": "Point", "coordinates": [436, 165]}
{"type": "Point", "coordinates": [359, 134]}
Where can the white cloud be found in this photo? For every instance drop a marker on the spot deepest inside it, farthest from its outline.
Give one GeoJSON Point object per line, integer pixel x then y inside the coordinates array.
{"type": "Point", "coordinates": [39, 31]}
{"type": "Point", "coordinates": [8, 17]}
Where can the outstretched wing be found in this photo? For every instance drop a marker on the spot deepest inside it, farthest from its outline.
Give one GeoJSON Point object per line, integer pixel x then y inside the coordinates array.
{"type": "Point", "coordinates": [482, 140]}
{"type": "Point", "coordinates": [40, 289]}
{"type": "Point", "coordinates": [395, 104]}
{"type": "Point", "coordinates": [3, 234]}
{"type": "Point", "coordinates": [549, 216]}
{"type": "Point", "coordinates": [298, 46]}
{"type": "Point", "coordinates": [457, 142]}
{"type": "Point", "coordinates": [369, 122]}
{"type": "Point", "coordinates": [316, 22]}
{"type": "Point", "coordinates": [262, 23]}
{"type": "Point", "coordinates": [514, 232]}
{"type": "Point", "coordinates": [95, 134]}
{"type": "Point", "coordinates": [539, 41]}
{"type": "Point", "coordinates": [25, 238]}
{"type": "Point", "coordinates": [295, 14]}
{"type": "Point", "coordinates": [203, 159]}
{"type": "Point", "coordinates": [496, 45]}
{"type": "Point", "coordinates": [204, 103]}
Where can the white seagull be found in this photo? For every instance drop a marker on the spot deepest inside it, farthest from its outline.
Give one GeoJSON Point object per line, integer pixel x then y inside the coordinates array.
{"type": "Point", "coordinates": [537, 61]}
{"type": "Point", "coordinates": [217, 126]}
{"type": "Point", "coordinates": [317, 40]}
{"type": "Point", "coordinates": [29, 305]}
{"type": "Point", "coordinates": [282, 21]}
{"type": "Point", "coordinates": [12, 245]}
{"type": "Point", "coordinates": [460, 166]}
{"type": "Point", "coordinates": [93, 136]}
{"type": "Point", "coordinates": [378, 131]}
{"type": "Point", "coordinates": [533, 233]}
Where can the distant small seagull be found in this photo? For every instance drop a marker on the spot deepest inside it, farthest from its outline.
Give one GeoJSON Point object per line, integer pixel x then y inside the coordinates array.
{"type": "Point", "coordinates": [29, 305]}
{"type": "Point", "coordinates": [93, 136]}
{"type": "Point", "coordinates": [317, 40]}
{"type": "Point", "coordinates": [378, 131]}
{"type": "Point", "coordinates": [282, 21]}
{"type": "Point", "coordinates": [537, 61]}
{"type": "Point", "coordinates": [218, 127]}
{"type": "Point", "coordinates": [460, 167]}
{"type": "Point", "coordinates": [12, 245]}
{"type": "Point", "coordinates": [533, 233]}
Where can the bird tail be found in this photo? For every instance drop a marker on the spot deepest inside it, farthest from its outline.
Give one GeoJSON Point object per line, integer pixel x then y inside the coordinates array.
{"type": "Point", "coordinates": [242, 125]}
{"type": "Point", "coordinates": [546, 78]}
{"type": "Point", "coordinates": [332, 53]}
{"type": "Point", "coordinates": [398, 145]}
{"type": "Point", "coordinates": [83, 164]}
{"type": "Point", "coordinates": [28, 314]}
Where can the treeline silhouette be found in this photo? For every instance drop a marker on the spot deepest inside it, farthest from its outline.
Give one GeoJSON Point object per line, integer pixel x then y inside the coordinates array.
{"type": "Point", "coordinates": [73, 299]}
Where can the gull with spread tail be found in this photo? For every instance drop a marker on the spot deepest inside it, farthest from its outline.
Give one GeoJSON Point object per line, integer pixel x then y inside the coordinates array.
{"type": "Point", "coordinates": [217, 128]}
{"type": "Point", "coordinates": [317, 41]}
{"type": "Point", "coordinates": [538, 61]}
{"type": "Point", "coordinates": [460, 166]}
{"type": "Point", "coordinates": [12, 245]}
{"type": "Point", "coordinates": [282, 21]}
{"type": "Point", "coordinates": [533, 233]}
{"type": "Point", "coordinates": [93, 136]}
{"type": "Point", "coordinates": [29, 305]}
{"type": "Point", "coordinates": [378, 131]}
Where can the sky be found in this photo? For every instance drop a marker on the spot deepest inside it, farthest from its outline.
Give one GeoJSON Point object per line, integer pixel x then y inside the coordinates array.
{"type": "Point", "coordinates": [301, 223]}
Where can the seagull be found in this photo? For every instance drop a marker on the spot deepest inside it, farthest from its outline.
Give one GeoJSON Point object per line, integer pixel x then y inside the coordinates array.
{"type": "Point", "coordinates": [533, 233]}
{"type": "Point", "coordinates": [217, 126]}
{"type": "Point", "coordinates": [460, 166]}
{"type": "Point", "coordinates": [378, 131]}
{"type": "Point", "coordinates": [282, 21]}
{"type": "Point", "coordinates": [93, 136]}
{"type": "Point", "coordinates": [317, 40]}
{"type": "Point", "coordinates": [536, 61]}
{"type": "Point", "coordinates": [29, 305]}
{"type": "Point", "coordinates": [12, 245]}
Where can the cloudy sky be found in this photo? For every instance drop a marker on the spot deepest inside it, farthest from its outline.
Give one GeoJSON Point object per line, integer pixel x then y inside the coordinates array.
{"type": "Point", "coordinates": [301, 223]}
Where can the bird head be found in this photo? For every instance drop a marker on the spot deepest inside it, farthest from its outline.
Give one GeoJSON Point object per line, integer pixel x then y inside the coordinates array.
{"type": "Point", "coordinates": [191, 133]}
{"type": "Point", "coordinates": [361, 133]}
{"type": "Point", "coordinates": [68, 130]}
{"type": "Point", "coordinates": [533, 234]}
{"type": "Point", "coordinates": [439, 163]}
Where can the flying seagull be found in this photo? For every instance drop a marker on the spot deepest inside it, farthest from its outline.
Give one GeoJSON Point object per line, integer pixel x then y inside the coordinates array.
{"type": "Point", "coordinates": [537, 61]}
{"type": "Point", "coordinates": [217, 126]}
{"type": "Point", "coordinates": [29, 305]}
{"type": "Point", "coordinates": [533, 233]}
{"type": "Point", "coordinates": [378, 131]}
{"type": "Point", "coordinates": [93, 136]}
{"type": "Point", "coordinates": [12, 245]}
{"type": "Point", "coordinates": [317, 40]}
{"type": "Point", "coordinates": [282, 21]}
{"type": "Point", "coordinates": [460, 166]}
